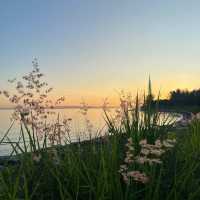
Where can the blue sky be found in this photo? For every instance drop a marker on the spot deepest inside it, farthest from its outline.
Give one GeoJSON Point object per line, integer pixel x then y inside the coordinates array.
{"type": "Point", "coordinates": [91, 48]}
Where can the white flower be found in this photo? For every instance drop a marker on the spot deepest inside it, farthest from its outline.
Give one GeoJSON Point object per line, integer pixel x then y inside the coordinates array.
{"type": "Point", "coordinates": [145, 151]}
{"type": "Point", "coordinates": [157, 152]}
{"type": "Point", "coordinates": [138, 176]}
{"type": "Point", "coordinates": [143, 142]}
{"type": "Point", "coordinates": [141, 160]}
{"type": "Point", "coordinates": [36, 157]}
{"type": "Point", "coordinates": [158, 144]}
{"type": "Point", "coordinates": [130, 141]}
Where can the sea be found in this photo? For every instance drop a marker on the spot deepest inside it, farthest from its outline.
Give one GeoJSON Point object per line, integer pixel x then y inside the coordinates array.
{"type": "Point", "coordinates": [78, 125]}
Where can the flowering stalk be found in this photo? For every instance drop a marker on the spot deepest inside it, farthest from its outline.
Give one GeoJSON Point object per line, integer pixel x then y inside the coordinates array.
{"type": "Point", "coordinates": [33, 108]}
{"type": "Point", "coordinates": [149, 154]}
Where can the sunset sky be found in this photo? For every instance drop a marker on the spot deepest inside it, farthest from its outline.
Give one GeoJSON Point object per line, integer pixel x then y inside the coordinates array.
{"type": "Point", "coordinates": [93, 48]}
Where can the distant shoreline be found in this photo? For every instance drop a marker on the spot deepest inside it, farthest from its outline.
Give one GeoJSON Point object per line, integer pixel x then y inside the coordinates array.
{"type": "Point", "coordinates": [67, 107]}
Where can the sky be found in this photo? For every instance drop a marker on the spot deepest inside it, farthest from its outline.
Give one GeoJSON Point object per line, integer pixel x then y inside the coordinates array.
{"type": "Point", "coordinates": [91, 49]}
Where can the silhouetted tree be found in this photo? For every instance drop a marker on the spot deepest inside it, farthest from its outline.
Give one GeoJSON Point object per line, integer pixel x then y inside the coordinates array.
{"type": "Point", "coordinates": [182, 98]}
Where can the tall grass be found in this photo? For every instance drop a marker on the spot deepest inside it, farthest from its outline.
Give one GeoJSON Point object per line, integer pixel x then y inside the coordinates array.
{"type": "Point", "coordinates": [94, 169]}
{"type": "Point", "coordinates": [84, 170]}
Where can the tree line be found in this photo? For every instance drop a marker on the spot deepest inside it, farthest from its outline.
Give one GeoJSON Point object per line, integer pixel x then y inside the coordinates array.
{"type": "Point", "coordinates": [180, 97]}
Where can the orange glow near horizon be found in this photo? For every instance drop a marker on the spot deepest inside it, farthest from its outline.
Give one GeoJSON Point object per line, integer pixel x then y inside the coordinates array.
{"type": "Point", "coordinates": [96, 98]}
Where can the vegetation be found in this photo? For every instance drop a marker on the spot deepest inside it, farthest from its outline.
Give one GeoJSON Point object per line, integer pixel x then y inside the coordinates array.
{"type": "Point", "coordinates": [139, 157]}
{"type": "Point", "coordinates": [182, 100]}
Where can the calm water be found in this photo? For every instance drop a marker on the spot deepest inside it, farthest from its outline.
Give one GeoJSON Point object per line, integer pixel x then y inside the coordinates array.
{"type": "Point", "coordinates": [78, 124]}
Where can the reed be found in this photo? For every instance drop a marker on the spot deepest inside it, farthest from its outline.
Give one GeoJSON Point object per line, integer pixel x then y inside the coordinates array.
{"type": "Point", "coordinates": [137, 158]}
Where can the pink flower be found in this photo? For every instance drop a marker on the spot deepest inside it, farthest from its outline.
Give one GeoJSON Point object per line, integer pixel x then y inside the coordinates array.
{"type": "Point", "coordinates": [36, 157]}
{"type": "Point", "coordinates": [138, 176]}
{"type": "Point", "coordinates": [143, 142]}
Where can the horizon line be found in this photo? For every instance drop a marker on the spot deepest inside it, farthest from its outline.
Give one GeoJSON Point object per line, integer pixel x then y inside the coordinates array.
{"type": "Point", "coordinates": [62, 107]}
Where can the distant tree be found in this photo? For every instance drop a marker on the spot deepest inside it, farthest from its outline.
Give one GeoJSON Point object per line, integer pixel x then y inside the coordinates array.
{"type": "Point", "coordinates": [183, 97]}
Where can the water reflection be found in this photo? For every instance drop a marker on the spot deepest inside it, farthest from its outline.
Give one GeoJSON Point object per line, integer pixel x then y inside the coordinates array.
{"type": "Point", "coordinates": [78, 124]}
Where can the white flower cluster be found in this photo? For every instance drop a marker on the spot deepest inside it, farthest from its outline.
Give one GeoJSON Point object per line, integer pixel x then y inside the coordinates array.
{"type": "Point", "coordinates": [149, 154]}
{"type": "Point", "coordinates": [134, 174]}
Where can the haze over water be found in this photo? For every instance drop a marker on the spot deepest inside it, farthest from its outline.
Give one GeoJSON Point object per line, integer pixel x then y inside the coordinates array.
{"type": "Point", "coordinates": [78, 124]}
